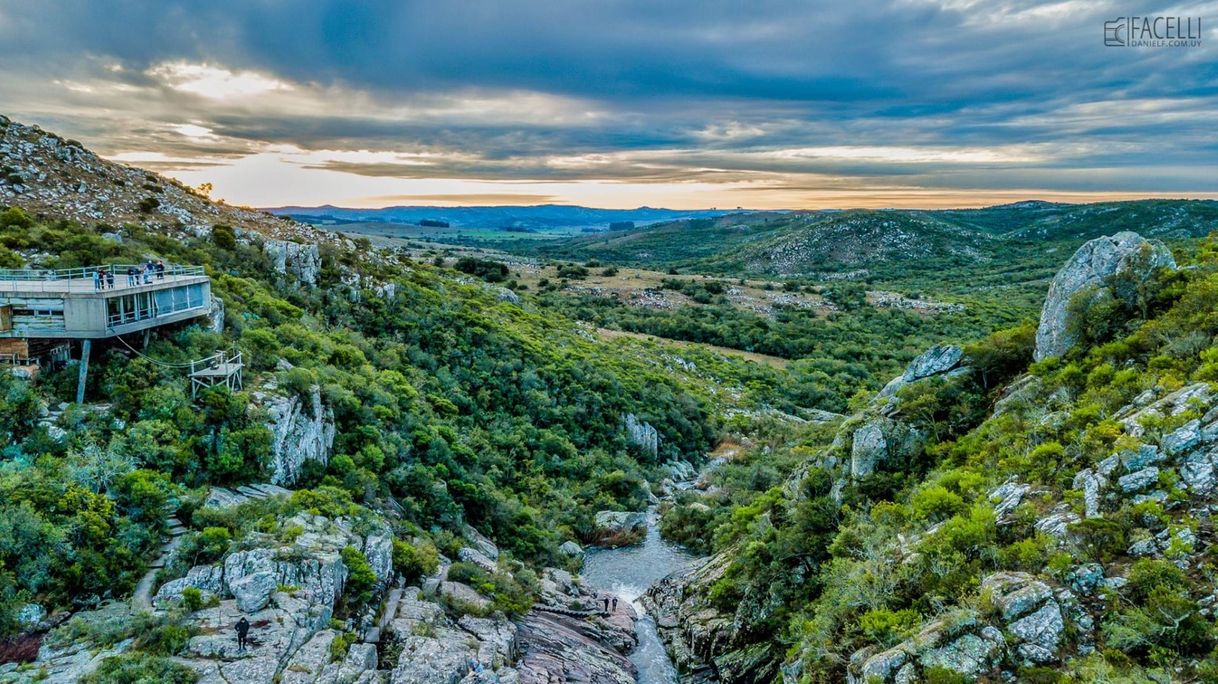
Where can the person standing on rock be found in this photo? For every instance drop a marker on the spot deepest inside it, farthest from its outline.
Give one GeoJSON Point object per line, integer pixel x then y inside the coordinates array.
{"type": "Point", "coordinates": [243, 628]}
{"type": "Point", "coordinates": [615, 604]}
{"type": "Point", "coordinates": [606, 604]}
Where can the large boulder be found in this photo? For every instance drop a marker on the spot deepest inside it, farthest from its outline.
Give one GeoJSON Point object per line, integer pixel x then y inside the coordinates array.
{"type": "Point", "coordinates": [302, 429]}
{"type": "Point", "coordinates": [617, 528]}
{"type": "Point", "coordinates": [1126, 256]}
{"type": "Point", "coordinates": [879, 441]}
{"type": "Point", "coordinates": [937, 360]}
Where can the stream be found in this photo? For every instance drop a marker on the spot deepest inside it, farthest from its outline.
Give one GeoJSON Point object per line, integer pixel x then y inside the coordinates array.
{"type": "Point", "coordinates": [628, 572]}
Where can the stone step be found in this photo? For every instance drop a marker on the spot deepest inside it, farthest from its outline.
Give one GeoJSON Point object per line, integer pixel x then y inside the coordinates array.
{"type": "Point", "coordinates": [374, 636]}
{"type": "Point", "coordinates": [251, 492]}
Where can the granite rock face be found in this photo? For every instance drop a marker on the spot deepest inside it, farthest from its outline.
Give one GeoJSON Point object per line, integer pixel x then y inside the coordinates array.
{"type": "Point", "coordinates": [294, 258]}
{"type": "Point", "coordinates": [880, 440]}
{"type": "Point", "coordinates": [301, 430]}
{"type": "Point", "coordinates": [641, 434]}
{"type": "Point", "coordinates": [934, 361]}
{"type": "Point", "coordinates": [1125, 259]}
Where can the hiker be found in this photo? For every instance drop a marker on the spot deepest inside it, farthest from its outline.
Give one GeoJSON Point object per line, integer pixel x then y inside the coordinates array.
{"type": "Point", "coordinates": [97, 279]}
{"type": "Point", "coordinates": [160, 270]}
{"type": "Point", "coordinates": [615, 604]}
{"type": "Point", "coordinates": [606, 604]}
{"type": "Point", "coordinates": [243, 628]}
{"type": "Point", "coordinates": [109, 278]}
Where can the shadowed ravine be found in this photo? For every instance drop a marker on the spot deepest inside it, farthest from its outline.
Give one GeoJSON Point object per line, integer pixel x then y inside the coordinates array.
{"type": "Point", "coordinates": [628, 572]}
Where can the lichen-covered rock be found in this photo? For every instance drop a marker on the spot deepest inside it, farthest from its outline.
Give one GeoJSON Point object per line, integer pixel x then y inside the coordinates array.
{"type": "Point", "coordinates": [571, 549]}
{"type": "Point", "coordinates": [641, 434]}
{"type": "Point", "coordinates": [208, 579]}
{"type": "Point", "coordinates": [378, 550]}
{"type": "Point", "coordinates": [302, 261]}
{"type": "Point", "coordinates": [301, 430]}
{"type": "Point", "coordinates": [934, 361]}
{"type": "Point", "coordinates": [880, 440]}
{"type": "Point", "coordinates": [1125, 255]}
{"type": "Point", "coordinates": [615, 528]}
{"type": "Point", "coordinates": [215, 315]}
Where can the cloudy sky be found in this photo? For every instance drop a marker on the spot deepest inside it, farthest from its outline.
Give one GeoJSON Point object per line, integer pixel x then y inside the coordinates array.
{"type": "Point", "coordinates": [621, 103]}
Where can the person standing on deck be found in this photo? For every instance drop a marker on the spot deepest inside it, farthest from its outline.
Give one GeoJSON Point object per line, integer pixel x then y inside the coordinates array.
{"type": "Point", "coordinates": [97, 279]}
{"type": "Point", "coordinates": [109, 279]}
{"type": "Point", "coordinates": [160, 270]}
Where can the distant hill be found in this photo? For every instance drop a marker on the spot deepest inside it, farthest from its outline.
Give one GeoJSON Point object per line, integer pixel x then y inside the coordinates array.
{"type": "Point", "coordinates": [540, 216]}
{"type": "Point", "coordinates": [1047, 220]}
{"type": "Point", "coordinates": [836, 242]}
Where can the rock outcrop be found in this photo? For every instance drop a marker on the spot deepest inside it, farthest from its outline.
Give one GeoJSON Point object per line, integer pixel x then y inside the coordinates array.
{"type": "Point", "coordinates": [881, 440]}
{"type": "Point", "coordinates": [641, 434]}
{"type": "Point", "coordinates": [302, 429]}
{"type": "Point", "coordinates": [618, 528]}
{"type": "Point", "coordinates": [934, 361]}
{"type": "Point", "coordinates": [300, 260]}
{"type": "Point", "coordinates": [1120, 262]}
{"type": "Point", "coordinates": [1027, 626]}
{"type": "Point", "coordinates": [215, 315]}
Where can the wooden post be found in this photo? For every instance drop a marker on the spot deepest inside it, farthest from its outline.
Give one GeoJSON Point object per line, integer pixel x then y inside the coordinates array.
{"type": "Point", "coordinates": [85, 348]}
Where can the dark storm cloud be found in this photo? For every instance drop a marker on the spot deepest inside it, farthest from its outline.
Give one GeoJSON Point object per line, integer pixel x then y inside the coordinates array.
{"type": "Point", "coordinates": [709, 90]}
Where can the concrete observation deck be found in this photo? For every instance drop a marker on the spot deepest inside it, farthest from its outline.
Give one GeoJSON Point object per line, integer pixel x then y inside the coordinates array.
{"type": "Point", "coordinates": [68, 304]}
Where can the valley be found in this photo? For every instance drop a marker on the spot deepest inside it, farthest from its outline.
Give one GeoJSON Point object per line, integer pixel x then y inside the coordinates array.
{"type": "Point", "coordinates": [443, 458]}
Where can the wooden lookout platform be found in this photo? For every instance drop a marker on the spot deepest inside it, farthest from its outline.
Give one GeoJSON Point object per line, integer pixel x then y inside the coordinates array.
{"type": "Point", "coordinates": [221, 368]}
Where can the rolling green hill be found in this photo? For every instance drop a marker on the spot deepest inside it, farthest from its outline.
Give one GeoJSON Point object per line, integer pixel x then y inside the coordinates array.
{"type": "Point", "coordinates": [886, 245]}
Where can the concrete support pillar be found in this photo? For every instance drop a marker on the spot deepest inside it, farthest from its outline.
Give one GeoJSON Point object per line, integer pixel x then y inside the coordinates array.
{"type": "Point", "coordinates": [85, 348]}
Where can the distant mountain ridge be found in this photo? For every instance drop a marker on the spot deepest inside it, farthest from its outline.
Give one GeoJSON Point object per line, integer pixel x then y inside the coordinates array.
{"type": "Point", "coordinates": [819, 242]}
{"type": "Point", "coordinates": [496, 216]}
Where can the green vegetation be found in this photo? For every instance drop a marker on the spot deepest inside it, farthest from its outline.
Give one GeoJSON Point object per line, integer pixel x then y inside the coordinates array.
{"type": "Point", "coordinates": [461, 408]}
{"type": "Point", "coordinates": [915, 538]}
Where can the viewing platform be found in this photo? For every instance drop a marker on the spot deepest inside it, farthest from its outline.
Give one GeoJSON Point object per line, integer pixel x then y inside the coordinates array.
{"type": "Point", "coordinates": [71, 304]}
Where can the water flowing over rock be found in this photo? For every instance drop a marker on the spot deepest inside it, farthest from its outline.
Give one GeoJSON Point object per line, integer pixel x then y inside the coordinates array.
{"type": "Point", "coordinates": [302, 261]}
{"type": "Point", "coordinates": [301, 430]}
{"type": "Point", "coordinates": [1127, 256]}
{"type": "Point", "coordinates": [641, 434]}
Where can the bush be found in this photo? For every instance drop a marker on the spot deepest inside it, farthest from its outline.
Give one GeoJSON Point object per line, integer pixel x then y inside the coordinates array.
{"type": "Point", "coordinates": [140, 668]}
{"type": "Point", "coordinates": [490, 271]}
{"type": "Point", "coordinates": [415, 561]}
{"type": "Point", "coordinates": [360, 578]}
{"type": "Point", "coordinates": [224, 237]}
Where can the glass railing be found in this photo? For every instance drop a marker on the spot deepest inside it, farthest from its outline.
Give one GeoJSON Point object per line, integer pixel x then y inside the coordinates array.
{"type": "Point", "coordinates": [86, 272]}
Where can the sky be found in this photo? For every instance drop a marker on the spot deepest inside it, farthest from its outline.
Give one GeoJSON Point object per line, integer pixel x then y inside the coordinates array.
{"type": "Point", "coordinates": [624, 103]}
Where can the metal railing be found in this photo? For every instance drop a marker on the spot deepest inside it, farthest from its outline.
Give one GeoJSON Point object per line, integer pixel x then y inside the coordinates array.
{"type": "Point", "coordinates": [86, 272]}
